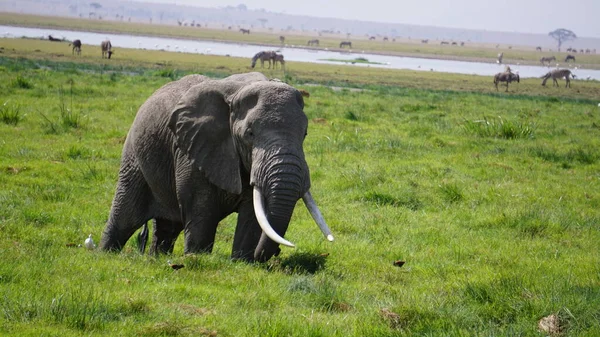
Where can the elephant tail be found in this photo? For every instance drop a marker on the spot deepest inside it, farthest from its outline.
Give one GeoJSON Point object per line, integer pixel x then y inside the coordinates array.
{"type": "Point", "coordinates": [143, 238]}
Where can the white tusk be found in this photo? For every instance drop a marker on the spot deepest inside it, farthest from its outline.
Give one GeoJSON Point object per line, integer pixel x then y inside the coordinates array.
{"type": "Point", "coordinates": [259, 211]}
{"type": "Point", "coordinates": [316, 214]}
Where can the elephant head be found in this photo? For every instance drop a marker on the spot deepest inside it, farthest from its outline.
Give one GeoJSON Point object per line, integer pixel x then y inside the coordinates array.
{"type": "Point", "coordinates": [246, 137]}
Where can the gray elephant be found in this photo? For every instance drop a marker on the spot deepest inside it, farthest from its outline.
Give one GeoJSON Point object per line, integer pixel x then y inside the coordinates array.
{"type": "Point", "coordinates": [200, 149]}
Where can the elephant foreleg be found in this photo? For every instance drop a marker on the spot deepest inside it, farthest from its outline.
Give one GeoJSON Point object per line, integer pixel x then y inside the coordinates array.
{"type": "Point", "coordinates": [247, 232]}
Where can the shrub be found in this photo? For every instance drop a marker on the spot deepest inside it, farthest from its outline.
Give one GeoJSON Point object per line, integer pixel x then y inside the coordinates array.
{"type": "Point", "coordinates": [499, 128]}
{"type": "Point", "coordinates": [10, 114]}
{"type": "Point", "coordinates": [21, 82]}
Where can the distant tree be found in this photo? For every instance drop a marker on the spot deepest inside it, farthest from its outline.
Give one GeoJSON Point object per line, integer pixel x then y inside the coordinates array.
{"type": "Point", "coordinates": [242, 7]}
{"type": "Point", "coordinates": [262, 21]}
{"type": "Point", "coordinates": [95, 5]}
{"type": "Point", "coordinates": [561, 35]}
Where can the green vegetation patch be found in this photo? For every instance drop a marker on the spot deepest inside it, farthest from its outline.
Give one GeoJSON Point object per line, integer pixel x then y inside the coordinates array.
{"type": "Point", "coordinates": [447, 222]}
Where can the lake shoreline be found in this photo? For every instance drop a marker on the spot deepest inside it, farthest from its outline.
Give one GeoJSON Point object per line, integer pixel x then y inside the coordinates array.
{"type": "Point", "coordinates": [459, 58]}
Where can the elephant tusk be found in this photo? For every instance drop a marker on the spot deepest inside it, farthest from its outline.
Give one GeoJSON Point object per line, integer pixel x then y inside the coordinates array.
{"type": "Point", "coordinates": [259, 211]}
{"type": "Point", "coordinates": [316, 214]}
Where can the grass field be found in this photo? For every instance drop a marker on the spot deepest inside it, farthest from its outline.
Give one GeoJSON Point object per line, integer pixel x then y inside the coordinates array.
{"type": "Point", "coordinates": [491, 199]}
{"type": "Point", "coordinates": [411, 48]}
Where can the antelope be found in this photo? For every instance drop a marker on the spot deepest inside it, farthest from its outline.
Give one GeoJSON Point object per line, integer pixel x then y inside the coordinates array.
{"type": "Point", "coordinates": [313, 42]}
{"type": "Point", "coordinates": [345, 43]}
{"type": "Point", "coordinates": [106, 49]}
{"type": "Point", "coordinates": [76, 46]}
{"type": "Point", "coordinates": [548, 59]}
{"type": "Point", "coordinates": [556, 74]}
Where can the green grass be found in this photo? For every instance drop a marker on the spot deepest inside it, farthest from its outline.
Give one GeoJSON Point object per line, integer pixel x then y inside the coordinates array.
{"type": "Point", "coordinates": [491, 199]}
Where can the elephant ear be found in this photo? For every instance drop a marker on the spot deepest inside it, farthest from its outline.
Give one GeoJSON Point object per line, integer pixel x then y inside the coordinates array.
{"type": "Point", "coordinates": [200, 123]}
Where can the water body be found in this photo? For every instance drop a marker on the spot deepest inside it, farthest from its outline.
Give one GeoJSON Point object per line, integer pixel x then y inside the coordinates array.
{"type": "Point", "coordinates": [292, 53]}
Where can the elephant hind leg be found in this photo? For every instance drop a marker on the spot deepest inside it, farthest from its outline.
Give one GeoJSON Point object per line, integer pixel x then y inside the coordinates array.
{"type": "Point", "coordinates": [165, 235]}
{"type": "Point", "coordinates": [130, 210]}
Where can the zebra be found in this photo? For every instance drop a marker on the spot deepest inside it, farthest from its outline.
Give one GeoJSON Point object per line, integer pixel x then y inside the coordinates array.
{"type": "Point", "coordinates": [345, 43]}
{"type": "Point", "coordinates": [106, 48]}
{"type": "Point", "coordinates": [548, 59]}
{"type": "Point", "coordinates": [263, 56]}
{"type": "Point", "coordinates": [76, 46]}
{"type": "Point", "coordinates": [313, 42]}
{"type": "Point", "coordinates": [556, 74]}
{"type": "Point", "coordinates": [569, 57]}
{"type": "Point", "coordinates": [507, 77]}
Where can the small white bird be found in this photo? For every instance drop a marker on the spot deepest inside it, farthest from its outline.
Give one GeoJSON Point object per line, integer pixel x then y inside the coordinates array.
{"type": "Point", "coordinates": [89, 243]}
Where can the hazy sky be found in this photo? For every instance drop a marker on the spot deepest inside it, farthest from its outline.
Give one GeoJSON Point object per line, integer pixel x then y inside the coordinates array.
{"type": "Point", "coordinates": [529, 16]}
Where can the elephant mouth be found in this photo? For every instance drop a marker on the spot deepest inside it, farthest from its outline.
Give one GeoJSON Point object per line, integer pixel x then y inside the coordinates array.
{"type": "Point", "coordinates": [259, 211]}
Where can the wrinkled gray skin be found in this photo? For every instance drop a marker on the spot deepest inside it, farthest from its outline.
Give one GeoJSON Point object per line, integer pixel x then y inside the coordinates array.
{"type": "Point", "coordinates": [193, 154]}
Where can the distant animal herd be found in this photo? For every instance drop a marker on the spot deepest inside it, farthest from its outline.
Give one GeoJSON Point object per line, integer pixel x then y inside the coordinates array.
{"type": "Point", "coordinates": [105, 46]}
{"type": "Point", "coordinates": [273, 58]}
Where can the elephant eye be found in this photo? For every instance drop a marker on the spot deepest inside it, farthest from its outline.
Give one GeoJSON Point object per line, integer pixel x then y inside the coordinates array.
{"type": "Point", "coordinates": [249, 133]}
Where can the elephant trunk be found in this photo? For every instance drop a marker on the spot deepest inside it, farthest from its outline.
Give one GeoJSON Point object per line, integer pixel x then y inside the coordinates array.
{"type": "Point", "coordinates": [286, 181]}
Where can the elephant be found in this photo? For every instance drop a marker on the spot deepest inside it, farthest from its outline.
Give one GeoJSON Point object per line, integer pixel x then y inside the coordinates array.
{"type": "Point", "coordinates": [200, 149]}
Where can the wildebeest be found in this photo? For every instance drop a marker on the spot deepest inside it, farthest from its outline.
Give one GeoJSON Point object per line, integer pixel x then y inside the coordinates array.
{"type": "Point", "coordinates": [372, 38]}
{"type": "Point", "coordinates": [345, 43]}
{"type": "Point", "coordinates": [282, 39]}
{"type": "Point", "coordinates": [556, 74]}
{"type": "Point", "coordinates": [314, 42]}
{"type": "Point", "coordinates": [245, 31]}
{"type": "Point", "coordinates": [569, 57]}
{"type": "Point", "coordinates": [425, 41]}
{"type": "Point", "coordinates": [538, 48]}
{"type": "Point", "coordinates": [547, 59]}
{"type": "Point", "coordinates": [106, 47]}
{"type": "Point", "coordinates": [507, 77]}
{"type": "Point", "coordinates": [76, 46]}
{"type": "Point", "coordinates": [51, 38]}
{"type": "Point", "coordinates": [278, 58]}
